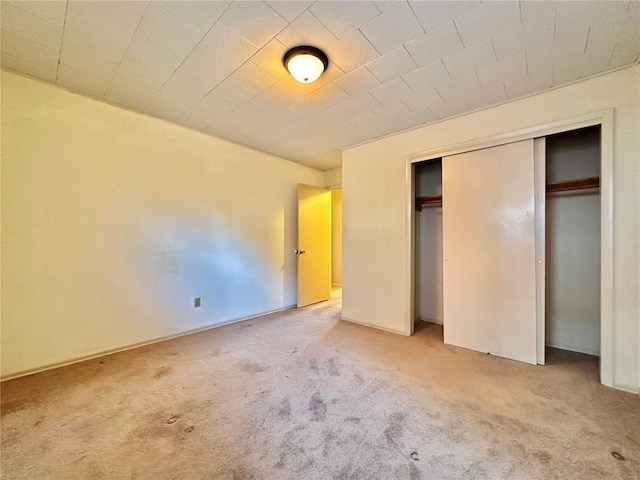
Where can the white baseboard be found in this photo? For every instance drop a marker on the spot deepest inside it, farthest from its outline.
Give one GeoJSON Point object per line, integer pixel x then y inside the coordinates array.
{"type": "Point", "coordinates": [430, 320]}
{"type": "Point", "coordinates": [626, 388]}
{"type": "Point", "coordinates": [573, 348]}
{"type": "Point", "coordinates": [110, 351]}
{"type": "Point", "coordinates": [371, 325]}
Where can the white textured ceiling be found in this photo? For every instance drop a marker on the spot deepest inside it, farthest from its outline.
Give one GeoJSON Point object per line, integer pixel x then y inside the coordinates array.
{"type": "Point", "coordinates": [216, 66]}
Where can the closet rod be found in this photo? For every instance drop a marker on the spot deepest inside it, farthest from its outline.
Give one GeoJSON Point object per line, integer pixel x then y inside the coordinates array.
{"type": "Point", "coordinates": [579, 184]}
{"type": "Point", "coordinates": [429, 200]}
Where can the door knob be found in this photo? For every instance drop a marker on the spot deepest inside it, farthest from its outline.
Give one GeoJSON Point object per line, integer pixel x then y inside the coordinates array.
{"type": "Point", "coordinates": [299, 252]}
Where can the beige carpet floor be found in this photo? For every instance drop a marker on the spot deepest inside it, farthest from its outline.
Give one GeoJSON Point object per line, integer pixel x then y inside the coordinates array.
{"type": "Point", "coordinates": [303, 395]}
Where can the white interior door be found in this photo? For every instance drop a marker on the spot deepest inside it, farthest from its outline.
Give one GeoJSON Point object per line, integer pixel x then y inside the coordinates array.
{"type": "Point", "coordinates": [489, 251]}
{"type": "Point", "coordinates": [314, 244]}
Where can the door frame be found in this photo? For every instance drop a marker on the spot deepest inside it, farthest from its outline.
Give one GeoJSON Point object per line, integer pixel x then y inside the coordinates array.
{"type": "Point", "coordinates": [604, 118]}
{"type": "Point", "coordinates": [321, 295]}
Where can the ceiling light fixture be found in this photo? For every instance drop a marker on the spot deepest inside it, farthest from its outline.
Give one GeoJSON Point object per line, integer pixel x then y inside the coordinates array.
{"type": "Point", "coordinates": [305, 63]}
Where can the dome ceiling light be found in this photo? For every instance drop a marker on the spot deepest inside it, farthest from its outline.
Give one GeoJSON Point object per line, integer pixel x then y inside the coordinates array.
{"type": "Point", "coordinates": [305, 63]}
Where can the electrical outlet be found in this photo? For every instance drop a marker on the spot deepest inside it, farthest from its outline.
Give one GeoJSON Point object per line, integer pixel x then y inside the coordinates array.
{"type": "Point", "coordinates": [196, 302]}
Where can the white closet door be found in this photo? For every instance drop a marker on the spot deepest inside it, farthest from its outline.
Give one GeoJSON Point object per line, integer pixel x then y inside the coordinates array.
{"type": "Point", "coordinates": [489, 251]}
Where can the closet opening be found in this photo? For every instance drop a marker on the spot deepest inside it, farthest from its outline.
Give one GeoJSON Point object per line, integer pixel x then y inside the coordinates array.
{"type": "Point", "coordinates": [572, 247]}
{"type": "Point", "coordinates": [428, 294]}
{"type": "Point", "coordinates": [567, 208]}
{"type": "Point", "coordinates": [510, 237]}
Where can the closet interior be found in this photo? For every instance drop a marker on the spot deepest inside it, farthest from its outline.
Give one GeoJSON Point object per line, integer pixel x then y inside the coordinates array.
{"type": "Point", "coordinates": [428, 241]}
{"type": "Point", "coordinates": [572, 241]}
{"type": "Point", "coordinates": [570, 259]}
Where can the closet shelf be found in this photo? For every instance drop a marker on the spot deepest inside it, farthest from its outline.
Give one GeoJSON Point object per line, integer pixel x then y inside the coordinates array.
{"type": "Point", "coordinates": [579, 184]}
{"type": "Point", "coordinates": [430, 200]}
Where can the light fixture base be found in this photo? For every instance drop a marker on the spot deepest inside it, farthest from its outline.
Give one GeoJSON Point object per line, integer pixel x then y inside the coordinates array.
{"type": "Point", "coordinates": [304, 50]}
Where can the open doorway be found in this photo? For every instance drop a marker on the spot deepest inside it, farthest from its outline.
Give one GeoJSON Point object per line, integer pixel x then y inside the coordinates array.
{"type": "Point", "coordinates": [336, 239]}
{"type": "Point", "coordinates": [319, 251]}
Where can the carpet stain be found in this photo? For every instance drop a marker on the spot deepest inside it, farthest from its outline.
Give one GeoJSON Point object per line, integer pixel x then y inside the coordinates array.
{"type": "Point", "coordinates": [414, 456]}
{"type": "Point", "coordinates": [280, 464]}
{"type": "Point", "coordinates": [313, 365]}
{"type": "Point", "coordinates": [189, 429]}
{"type": "Point", "coordinates": [318, 408]}
{"type": "Point", "coordinates": [173, 420]}
{"type": "Point", "coordinates": [414, 473]}
{"type": "Point", "coordinates": [290, 449]}
{"type": "Point", "coordinates": [545, 458]}
{"type": "Point", "coordinates": [250, 366]}
{"type": "Point", "coordinates": [355, 420]}
{"type": "Point", "coordinates": [284, 409]}
{"type": "Point", "coordinates": [334, 369]}
{"type": "Point", "coordinates": [432, 415]}
{"type": "Point", "coordinates": [345, 473]}
{"type": "Point", "coordinates": [512, 424]}
{"type": "Point", "coordinates": [618, 456]}
{"type": "Point", "coordinates": [394, 429]}
{"type": "Point", "coordinates": [162, 372]}
{"type": "Point", "coordinates": [486, 424]}
{"type": "Point", "coordinates": [329, 441]}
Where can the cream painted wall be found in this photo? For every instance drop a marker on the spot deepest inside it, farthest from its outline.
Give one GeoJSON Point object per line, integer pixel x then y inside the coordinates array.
{"type": "Point", "coordinates": [333, 178]}
{"type": "Point", "coordinates": [374, 182]}
{"type": "Point", "coordinates": [336, 236]}
{"type": "Point", "coordinates": [113, 221]}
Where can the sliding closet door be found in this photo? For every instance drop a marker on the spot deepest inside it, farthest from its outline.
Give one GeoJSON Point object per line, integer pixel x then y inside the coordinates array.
{"type": "Point", "coordinates": [489, 251]}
